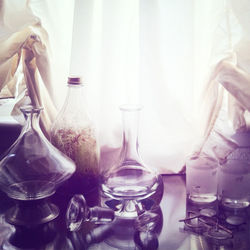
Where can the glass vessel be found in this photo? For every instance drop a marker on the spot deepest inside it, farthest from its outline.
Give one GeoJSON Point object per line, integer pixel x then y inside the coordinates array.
{"type": "Point", "coordinates": [78, 212]}
{"type": "Point", "coordinates": [130, 183]}
{"type": "Point", "coordinates": [74, 134]}
{"type": "Point", "coordinates": [32, 168]}
{"type": "Point", "coordinates": [234, 184]}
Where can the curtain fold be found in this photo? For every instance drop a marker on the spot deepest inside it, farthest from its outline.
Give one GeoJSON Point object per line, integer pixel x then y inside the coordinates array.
{"type": "Point", "coordinates": [28, 51]}
{"type": "Point", "coordinates": [229, 110]}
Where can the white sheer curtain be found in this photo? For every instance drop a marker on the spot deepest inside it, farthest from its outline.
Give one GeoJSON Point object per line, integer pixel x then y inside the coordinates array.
{"type": "Point", "coordinates": [155, 52]}
{"type": "Point", "coordinates": [152, 52]}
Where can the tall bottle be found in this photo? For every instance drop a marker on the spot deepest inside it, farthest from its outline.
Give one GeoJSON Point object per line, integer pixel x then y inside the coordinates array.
{"type": "Point", "coordinates": [74, 134]}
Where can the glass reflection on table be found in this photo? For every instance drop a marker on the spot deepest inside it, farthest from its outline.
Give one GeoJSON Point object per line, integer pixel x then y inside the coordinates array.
{"type": "Point", "coordinates": [122, 233]}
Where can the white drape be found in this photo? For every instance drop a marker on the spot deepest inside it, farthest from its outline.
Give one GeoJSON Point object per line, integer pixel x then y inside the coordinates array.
{"type": "Point", "coordinates": [31, 45]}
{"type": "Point", "coordinates": [155, 52]}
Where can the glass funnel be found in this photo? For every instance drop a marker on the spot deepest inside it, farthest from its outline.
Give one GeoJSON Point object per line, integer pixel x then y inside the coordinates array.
{"type": "Point", "coordinates": [32, 167]}
{"type": "Point", "coordinates": [131, 183]}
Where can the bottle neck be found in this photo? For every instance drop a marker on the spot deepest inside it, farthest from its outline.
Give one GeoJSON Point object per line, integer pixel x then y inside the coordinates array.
{"type": "Point", "coordinates": [75, 99]}
{"type": "Point", "coordinates": [130, 118]}
{"type": "Point", "coordinates": [32, 116]}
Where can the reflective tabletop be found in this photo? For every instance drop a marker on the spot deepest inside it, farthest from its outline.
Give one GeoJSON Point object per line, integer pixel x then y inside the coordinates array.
{"type": "Point", "coordinates": [169, 233]}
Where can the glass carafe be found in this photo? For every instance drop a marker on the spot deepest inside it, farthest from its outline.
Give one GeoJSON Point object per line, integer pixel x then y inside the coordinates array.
{"type": "Point", "coordinates": [31, 170]}
{"type": "Point", "coordinates": [32, 167]}
{"type": "Point", "coordinates": [130, 183]}
{"type": "Point", "coordinates": [74, 133]}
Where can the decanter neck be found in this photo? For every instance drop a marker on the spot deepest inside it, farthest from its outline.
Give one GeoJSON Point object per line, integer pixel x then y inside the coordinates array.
{"type": "Point", "coordinates": [32, 116]}
{"type": "Point", "coordinates": [130, 118]}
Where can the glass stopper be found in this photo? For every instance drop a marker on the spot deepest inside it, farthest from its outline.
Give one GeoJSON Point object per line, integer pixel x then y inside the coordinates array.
{"type": "Point", "coordinates": [78, 212]}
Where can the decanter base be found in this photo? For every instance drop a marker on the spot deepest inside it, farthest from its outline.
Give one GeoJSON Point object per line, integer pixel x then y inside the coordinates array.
{"type": "Point", "coordinates": [31, 213]}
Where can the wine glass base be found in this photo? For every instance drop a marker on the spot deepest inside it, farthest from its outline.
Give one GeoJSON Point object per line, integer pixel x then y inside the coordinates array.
{"type": "Point", "coordinates": [234, 203]}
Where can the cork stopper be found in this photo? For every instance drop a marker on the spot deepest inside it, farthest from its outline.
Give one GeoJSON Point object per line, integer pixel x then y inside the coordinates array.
{"type": "Point", "coordinates": [74, 80]}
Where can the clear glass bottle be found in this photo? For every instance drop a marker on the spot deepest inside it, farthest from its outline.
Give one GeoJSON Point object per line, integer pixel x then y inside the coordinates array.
{"type": "Point", "coordinates": [131, 183]}
{"type": "Point", "coordinates": [74, 134]}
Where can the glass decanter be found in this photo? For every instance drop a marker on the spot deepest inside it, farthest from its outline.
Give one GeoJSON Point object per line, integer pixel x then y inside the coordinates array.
{"type": "Point", "coordinates": [131, 183]}
{"type": "Point", "coordinates": [32, 169]}
{"type": "Point", "coordinates": [74, 133]}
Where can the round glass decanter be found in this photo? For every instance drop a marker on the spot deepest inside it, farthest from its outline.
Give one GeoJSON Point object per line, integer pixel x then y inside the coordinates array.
{"type": "Point", "coordinates": [32, 167]}
{"type": "Point", "coordinates": [131, 183]}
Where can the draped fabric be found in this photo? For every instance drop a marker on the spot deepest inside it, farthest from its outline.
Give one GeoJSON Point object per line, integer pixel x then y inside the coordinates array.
{"type": "Point", "coordinates": [186, 62]}
{"type": "Point", "coordinates": [29, 66]}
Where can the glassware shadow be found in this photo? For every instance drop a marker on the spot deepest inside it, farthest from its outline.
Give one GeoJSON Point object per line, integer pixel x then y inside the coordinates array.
{"type": "Point", "coordinates": [37, 237]}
